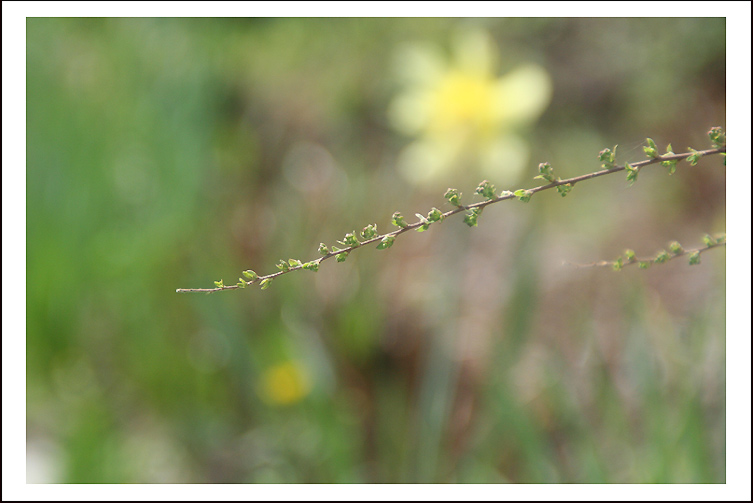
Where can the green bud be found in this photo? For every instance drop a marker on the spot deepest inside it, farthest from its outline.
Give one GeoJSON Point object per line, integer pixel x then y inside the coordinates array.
{"type": "Point", "coordinates": [283, 266]}
{"type": "Point", "coordinates": [398, 220]}
{"type": "Point", "coordinates": [265, 283]}
{"type": "Point", "coordinates": [523, 194]}
{"type": "Point", "coordinates": [471, 218]}
{"type": "Point", "coordinates": [632, 172]}
{"type": "Point", "coordinates": [340, 257]}
{"type": "Point", "coordinates": [242, 283]}
{"type": "Point", "coordinates": [717, 137]}
{"type": "Point", "coordinates": [545, 172]}
{"type": "Point", "coordinates": [435, 215]}
{"type": "Point", "coordinates": [721, 239]}
{"type": "Point", "coordinates": [453, 196]}
{"type": "Point", "coordinates": [486, 189]}
{"type": "Point", "coordinates": [350, 240]}
{"type": "Point", "coordinates": [294, 262]}
{"type": "Point", "coordinates": [695, 258]}
{"type": "Point", "coordinates": [368, 232]}
{"type": "Point", "coordinates": [323, 249]}
{"type": "Point", "coordinates": [675, 248]}
{"type": "Point", "coordinates": [643, 264]}
{"type": "Point", "coordinates": [607, 157]}
{"type": "Point", "coordinates": [564, 189]}
{"type": "Point", "coordinates": [651, 150]}
{"type": "Point", "coordinates": [386, 242]}
{"type": "Point", "coordinates": [662, 257]}
{"type": "Point", "coordinates": [311, 266]}
{"type": "Point", "coordinates": [630, 256]}
{"type": "Point", "coordinates": [251, 275]}
{"type": "Point", "coordinates": [219, 284]}
{"type": "Point", "coordinates": [693, 158]}
{"type": "Point", "coordinates": [617, 264]}
{"type": "Point", "coordinates": [670, 165]}
{"type": "Point", "coordinates": [708, 240]}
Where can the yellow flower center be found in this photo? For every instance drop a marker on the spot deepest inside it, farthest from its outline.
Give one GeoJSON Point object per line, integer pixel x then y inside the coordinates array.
{"type": "Point", "coordinates": [463, 102]}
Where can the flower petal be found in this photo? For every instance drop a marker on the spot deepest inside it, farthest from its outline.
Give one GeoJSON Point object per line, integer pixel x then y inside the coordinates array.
{"type": "Point", "coordinates": [474, 52]}
{"type": "Point", "coordinates": [523, 94]}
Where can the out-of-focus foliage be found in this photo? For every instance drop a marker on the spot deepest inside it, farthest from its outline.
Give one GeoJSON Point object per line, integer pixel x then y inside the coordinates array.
{"type": "Point", "coordinates": [167, 153]}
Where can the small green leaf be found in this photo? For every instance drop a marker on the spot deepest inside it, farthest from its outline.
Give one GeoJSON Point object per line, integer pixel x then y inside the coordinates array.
{"type": "Point", "coordinates": [607, 157]}
{"type": "Point", "coordinates": [386, 242]}
{"type": "Point", "coordinates": [435, 215]}
{"type": "Point", "coordinates": [630, 256]}
{"type": "Point", "coordinates": [693, 158]}
{"type": "Point", "coordinates": [670, 165]}
{"type": "Point", "coordinates": [424, 221]}
{"type": "Point", "coordinates": [651, 150]}
{"type": "Point", "coordinates": [242, 283]}
{"type": "Point", "coordinates": [708, 240]}
{"type": "Point", "coordinates": [632, 172]}
{"type": "Point", "coordinates": [368, 232]}
{"type": "Point", "coordinates": [662, 257]}
{"type": "Point", "coordinates": [486, 189]}
{"type": "Point", "coordinates": [283, 266]}
{"type": "Point", "coordinates": [695, 258]}
{"type": "Point", "coordinates": [251, 275]}
{"type": "Point", "coordinates": [675, 248]}
{"type": "Point", "coordinates": [523, 195]}
{"type": "Point", "coordinates": [617, 264]}
{"type": "Point", "coordinates": [219, 284]}
{"type": "Point", "coordinates": [265, 283]}
{"type": "Point", "coordinates": [644, 264]}
{"type": "Point", "coordinates": [294, 262]}
{"type": "Point", "coordinates": [341, 256]}
{"type": "Point", "coordinates": [323, 249]}
{"type": "Point", "coordinates": [545, 172]}
{"type": "Point", "coordinates": [453, 196]}
{"type": "Point", "coordinates": [311, 266]}
{"type": "Point", "coordinates": [351, 240]}
{"type": "Point", "coordinates": [398, 220]}
{"type": "Point", "coordinates": [471, 218]}
{"type": "Point", "coordinates": [717, 137]}
{"type": "Point", "coordinates": [564, 189]}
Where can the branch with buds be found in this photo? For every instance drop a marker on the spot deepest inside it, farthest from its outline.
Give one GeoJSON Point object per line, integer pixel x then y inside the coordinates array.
{"type": "Point", "coordinates": [675, 250]}
{"type": "Point", "coordinates": [369, 234]}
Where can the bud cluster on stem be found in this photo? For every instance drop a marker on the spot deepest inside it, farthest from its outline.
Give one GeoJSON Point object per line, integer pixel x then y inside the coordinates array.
{"type": "Point", "coordinates": [486, 189]}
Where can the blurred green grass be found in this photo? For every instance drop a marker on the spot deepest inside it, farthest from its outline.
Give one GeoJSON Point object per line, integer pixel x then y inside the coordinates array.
{"type": "Point", "coordinates": [168, 153]}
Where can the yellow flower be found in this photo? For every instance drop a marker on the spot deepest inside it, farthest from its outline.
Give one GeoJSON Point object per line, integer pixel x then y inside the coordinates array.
{"type": "Point", "coordinates": [462, 115]}
{"type": "Point", "coordinates": [284, 384]}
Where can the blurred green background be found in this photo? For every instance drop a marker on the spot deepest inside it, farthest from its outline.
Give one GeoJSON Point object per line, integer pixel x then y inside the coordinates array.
{"type": "Point", "coordinates": [170, 153]}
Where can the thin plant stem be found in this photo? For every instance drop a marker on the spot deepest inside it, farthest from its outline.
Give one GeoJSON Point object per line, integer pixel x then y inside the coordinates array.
{"type": "Point", "coordinates": [479, 205]}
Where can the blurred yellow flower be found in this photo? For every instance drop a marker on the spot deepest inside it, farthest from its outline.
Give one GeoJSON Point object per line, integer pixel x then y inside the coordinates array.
{"type": "Point", "coordinates": [461, 115]}
{"type": "Point", "coordinates": [284, 384]}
